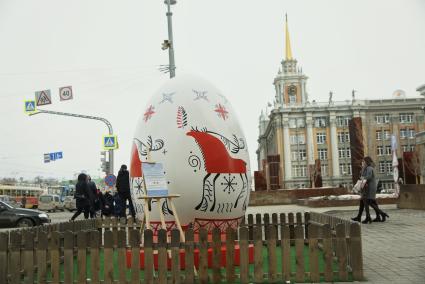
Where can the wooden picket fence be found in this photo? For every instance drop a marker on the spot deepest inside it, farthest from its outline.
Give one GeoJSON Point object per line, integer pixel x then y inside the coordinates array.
{"type": "Point", "coordinates": [73, 252]}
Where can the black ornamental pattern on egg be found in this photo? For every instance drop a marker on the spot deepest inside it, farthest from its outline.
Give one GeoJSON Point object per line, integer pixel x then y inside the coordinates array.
{"type": "Point", "coordinates": [149, 146]}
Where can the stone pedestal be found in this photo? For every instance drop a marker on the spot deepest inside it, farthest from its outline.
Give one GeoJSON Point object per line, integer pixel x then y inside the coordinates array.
{"type": "Point", "coordinates": [412, 196]}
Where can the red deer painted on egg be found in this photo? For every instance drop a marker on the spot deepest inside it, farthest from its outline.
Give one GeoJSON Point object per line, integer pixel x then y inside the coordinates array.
{"type": "Point", "coordinates": [217, 161]}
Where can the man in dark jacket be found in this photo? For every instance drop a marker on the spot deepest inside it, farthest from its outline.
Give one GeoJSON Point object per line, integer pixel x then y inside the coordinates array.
{"type": "Point", "coordinates": [82, 197]}
{"type": "Point", "coordinates": [123, 188]}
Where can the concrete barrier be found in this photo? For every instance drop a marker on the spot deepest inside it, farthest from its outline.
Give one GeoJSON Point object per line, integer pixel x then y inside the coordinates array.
{"type": "Point", "coordinates": [412, 196]}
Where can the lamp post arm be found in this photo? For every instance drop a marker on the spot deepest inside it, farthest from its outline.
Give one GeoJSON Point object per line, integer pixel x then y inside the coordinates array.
{"type": "Point", "coordinates": [104, 120]}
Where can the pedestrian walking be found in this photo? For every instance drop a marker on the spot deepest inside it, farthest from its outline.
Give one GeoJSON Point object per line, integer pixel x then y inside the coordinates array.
{"type": "Point", "coordinates": [123, 188]}
{"type": "Point", "coordinates": [24, 201]}
{"type": "Point", "coordinates": [94, 197]}
{"type": "Point", "coordinates": [368, 194]}
{"type": "Point", "coordinates": [81, 196]}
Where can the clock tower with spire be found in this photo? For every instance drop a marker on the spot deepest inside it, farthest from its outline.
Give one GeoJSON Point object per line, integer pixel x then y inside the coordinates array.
{"type": "Point", "coordinates": [290, 82]}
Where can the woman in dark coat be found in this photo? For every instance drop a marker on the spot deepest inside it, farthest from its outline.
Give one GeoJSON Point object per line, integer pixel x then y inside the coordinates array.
{"type": "Point", "coordinates": [82, 197]}
{"type": "Point", "coordinates": [369, 194]}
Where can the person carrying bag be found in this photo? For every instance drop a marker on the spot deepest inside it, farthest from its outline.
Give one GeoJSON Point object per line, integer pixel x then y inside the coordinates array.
{"type": "Point", "coordinates": [368, 194]}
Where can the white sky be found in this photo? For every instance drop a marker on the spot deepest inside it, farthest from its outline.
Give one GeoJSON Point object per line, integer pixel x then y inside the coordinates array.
{"type": "Point", "coordinates": [109, 52]}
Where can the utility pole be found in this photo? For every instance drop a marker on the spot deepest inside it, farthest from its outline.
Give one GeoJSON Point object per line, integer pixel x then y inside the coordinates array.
{"type": "Point", "coordinates": [108, 124]}
{"type": "Point", "coordinates": [169, 44]}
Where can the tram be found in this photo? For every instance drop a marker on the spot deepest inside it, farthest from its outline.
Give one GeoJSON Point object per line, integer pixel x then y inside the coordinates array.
{"type": "Point", "coordinates": [16, 192]}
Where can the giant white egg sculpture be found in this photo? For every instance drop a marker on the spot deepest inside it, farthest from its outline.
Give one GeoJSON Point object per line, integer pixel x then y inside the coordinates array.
{"type": "Point", "coordinates": [190, 127]}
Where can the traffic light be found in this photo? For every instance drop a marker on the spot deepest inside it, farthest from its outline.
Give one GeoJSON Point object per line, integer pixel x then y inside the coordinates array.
{"type": "Point", "coordinates": [105, 164]}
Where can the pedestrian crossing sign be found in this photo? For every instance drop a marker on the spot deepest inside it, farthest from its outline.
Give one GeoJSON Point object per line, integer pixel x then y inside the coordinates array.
{"type": "Point", "coordinates": [30, 107]}
{"type": "Point", "coordinates": [110, 142]}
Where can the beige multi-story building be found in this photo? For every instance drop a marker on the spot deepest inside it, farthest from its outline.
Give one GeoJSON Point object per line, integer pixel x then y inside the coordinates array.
{"type": "Point", "coordinates": [300, 131]}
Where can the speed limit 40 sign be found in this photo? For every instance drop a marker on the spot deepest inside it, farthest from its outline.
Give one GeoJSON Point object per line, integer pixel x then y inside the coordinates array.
{"type": "Point", "coordinates": [65, 93]}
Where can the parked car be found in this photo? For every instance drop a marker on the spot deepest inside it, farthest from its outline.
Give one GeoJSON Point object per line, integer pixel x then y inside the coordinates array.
{"type": "Point", "coordinates": [9, 200]}
{"type": "Point", "coordinates": [69, 203]}
{"type": "Point", "coordinates": [50, 202]}
{"type": "Point", "coordinates": [19, 217]}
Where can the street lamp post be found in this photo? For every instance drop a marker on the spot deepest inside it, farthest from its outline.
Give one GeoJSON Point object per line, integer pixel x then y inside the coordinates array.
{"type": "Point", "coordinates": [170, 44]}
{"type": "Point", "coordinates": [108, 124]}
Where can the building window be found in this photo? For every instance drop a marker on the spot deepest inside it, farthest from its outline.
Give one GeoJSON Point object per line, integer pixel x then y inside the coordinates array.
{"type": "Point", "coordinates": [378, 135]}
{"type": "Point", "coordinates": [300, 155]}
{"type": "Point", "coordinates": [341, 153]}
{"type": "Point", "coordinates": [324, 170]}
{"type": "Point", "coordinates": [380, 150]}
{"type": "Point", "coordinates": [381, 167]}
{"type": "Point", "coordinates": [388, 150]}
{"type": "Point", "coordinates": [321, 138]}
{"type": "Point", "coordinates": [345, 169]}
{"type": "Point", "coordinates": [342, 121]}
{"type": "Point", "coordinates": [297, 139]}
{"type": "Point", "coordinates": [387, 134]}
{"type": "Point", "coordinates": [294, 155]}
{"type": "Point", "coordinates": [389, 167]}
{"type": "Point", "coordinates": [303, 155]}
{"type": "Point", "coordinates": [343, 137]}
{"type": "Point", "coordinates": [341, 169]}
{"type": "Point", "coordinates": [344, 153]}
{"type": "Point", "coordinates": [299, 171]}
{"type": "Point", "coordinates": [406, 117]}
{"type": "Point", "coordinates": [407, 133]}
{"type": "Point", "coordinates": [408, 148]}
{"type": "Point", "coordinates": [323, 154]}
{"type": "Point", "coordinates": [296, 123]}
{"type": "Point", "coordinates": [320, 122]}
{"type": "Point", "coordinates": [382, 118]}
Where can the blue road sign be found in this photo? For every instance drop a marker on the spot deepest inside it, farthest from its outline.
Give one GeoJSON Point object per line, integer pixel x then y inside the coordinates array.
{"type": "Point", "coordinates": [110, 180]}
{"type": "Point", "coordinates": [52, 156]}
{"type": "Point", "coordinates": [58, 155]}
{"type": "Point", "coordinates": [110, 142]}
{"type": "Point", "coordinates": [30, 106]}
